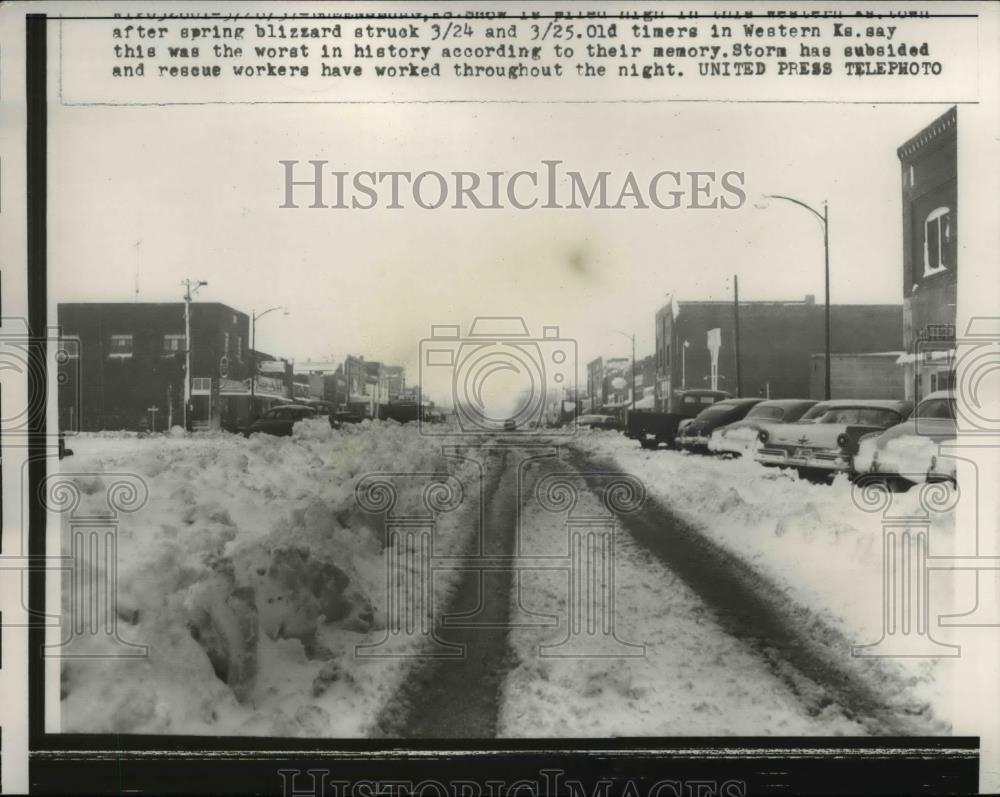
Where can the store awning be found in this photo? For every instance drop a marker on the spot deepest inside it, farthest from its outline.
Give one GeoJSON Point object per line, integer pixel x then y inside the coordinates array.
{"type": "Point", "coordinates": [931, 355]}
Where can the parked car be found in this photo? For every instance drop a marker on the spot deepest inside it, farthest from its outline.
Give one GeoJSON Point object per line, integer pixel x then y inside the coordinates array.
{"type": "Point", "coordinates": [740, 438]}
{"type": "Point", "coordinates": [596, 422]}
{"type": "Point", "coordinates": [341, 417]}
{"type": "Point", "coordinates": [651, 428]}
{"type": "Point", "coordinates": [821, 448]}
{"type": "Point", "coordinates": [695, 435]}
{"type": "Point", "coordinates": [907, 454]}
{"type": "Point", "coordinates": [280, 420]}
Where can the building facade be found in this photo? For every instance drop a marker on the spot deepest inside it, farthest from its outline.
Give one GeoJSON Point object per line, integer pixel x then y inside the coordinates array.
{"type": "Point", "coordinates": [131, 366]}
{"type": "Point", "coordinates": [867, 376]}
{"type": "Point", "coordinates": [929, 179]}
{"type": "Point", "coordinates": [777, 340]}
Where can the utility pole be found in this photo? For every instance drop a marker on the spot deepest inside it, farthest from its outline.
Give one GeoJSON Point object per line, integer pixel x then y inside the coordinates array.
{"type": "Point", "coordinates": [633, 372]}
{"type": "Point", "coordinates": [826, 264]}
{"type": "Point", "coordinates": [736, 312]}
{"type": "Point", "coordinates": [190, 289]}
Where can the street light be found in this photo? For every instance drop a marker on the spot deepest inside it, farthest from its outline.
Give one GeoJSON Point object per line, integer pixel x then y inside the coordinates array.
{"type": "Point", "coordinates": [632, 338]}
{"type": "Point", "coordinates": [253, 355]}
{"type": "Point", "coordinates": [824, 219]}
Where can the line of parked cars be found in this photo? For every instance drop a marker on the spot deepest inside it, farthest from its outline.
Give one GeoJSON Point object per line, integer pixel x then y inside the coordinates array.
{"type": "Point", "coordinates": [881, 440]}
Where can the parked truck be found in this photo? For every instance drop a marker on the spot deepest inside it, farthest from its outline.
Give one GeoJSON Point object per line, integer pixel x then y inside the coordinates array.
{"type": "Point", "coordinates": [651, 428]}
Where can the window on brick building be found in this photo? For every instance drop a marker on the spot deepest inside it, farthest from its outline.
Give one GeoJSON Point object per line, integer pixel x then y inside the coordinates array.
{"type": "Point", "coordinates": [172, 344]}
{"type": "Point", "coordinates": [937, 241]}
{"type": "Point", "coordinates": [120, 346]}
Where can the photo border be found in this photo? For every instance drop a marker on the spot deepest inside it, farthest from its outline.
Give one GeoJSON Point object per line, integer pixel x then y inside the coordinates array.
{"type": "Point", "coordinates": [112, 763]}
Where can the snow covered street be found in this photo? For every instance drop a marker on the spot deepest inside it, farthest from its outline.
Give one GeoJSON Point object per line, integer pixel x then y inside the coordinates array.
{"type": "Point", "coordinates": [257, 577]}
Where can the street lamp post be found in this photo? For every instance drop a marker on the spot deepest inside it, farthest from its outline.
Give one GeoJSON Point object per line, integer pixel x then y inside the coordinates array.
{"type": "Point", "coordinates": [632, 338]}
{"type": "Point", "coordinates": [824, 219]}
{"type": "Point", "coordinates": [253, 356]}
{"type": "Point", "coordinates": [190, 289]}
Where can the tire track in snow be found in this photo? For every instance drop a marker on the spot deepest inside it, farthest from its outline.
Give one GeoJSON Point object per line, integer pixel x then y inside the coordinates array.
{"type": "Point", "coordinates": [460, 698]}
{"type": "Point", "coordinates": [749, 607]}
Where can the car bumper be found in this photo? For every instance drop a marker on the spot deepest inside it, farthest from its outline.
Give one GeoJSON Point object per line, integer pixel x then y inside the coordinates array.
{"type": "Point", "coordinates": [693, 441]}
{"type": "Point", "coordinates": [833, 462]}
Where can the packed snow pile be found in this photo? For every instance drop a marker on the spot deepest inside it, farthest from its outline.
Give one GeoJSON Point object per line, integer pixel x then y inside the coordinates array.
{"type": "Point", "coordinates": [251, 573]}
{"type": "Point", "coordinates": [912, 456]}
{"type": "Point", "coordinates": [743, 441]}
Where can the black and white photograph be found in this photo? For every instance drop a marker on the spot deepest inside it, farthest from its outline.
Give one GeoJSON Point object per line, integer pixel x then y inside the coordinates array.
{"type": "Point", "coordinates": [500, 398]}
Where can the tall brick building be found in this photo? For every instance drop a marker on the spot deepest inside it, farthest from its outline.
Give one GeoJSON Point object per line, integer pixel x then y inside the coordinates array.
{"type": "Point", "coordinates": [929, 164]}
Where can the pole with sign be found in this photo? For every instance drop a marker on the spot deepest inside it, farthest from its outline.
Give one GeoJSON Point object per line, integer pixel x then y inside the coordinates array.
{"type": "Point", "coordinates": [714, 343]}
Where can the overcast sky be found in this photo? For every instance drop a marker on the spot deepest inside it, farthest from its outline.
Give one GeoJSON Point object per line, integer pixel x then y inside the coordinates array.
{"type": "Point", "coordinates": [200, 187]}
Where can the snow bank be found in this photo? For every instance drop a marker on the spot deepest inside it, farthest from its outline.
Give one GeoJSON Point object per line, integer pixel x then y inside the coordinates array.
{"type": "Point", "coordinates": [252, 574]}
{"type": "Point", "coordinates": [820, 549]}
{"type": "Point", "coordinates": [911, 456]}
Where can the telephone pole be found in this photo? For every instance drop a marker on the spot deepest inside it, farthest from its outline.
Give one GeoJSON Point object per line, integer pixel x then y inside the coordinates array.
{"type": "Point", "coordinates": [190, 289]}
{"type": "Point", "coordinates": [736, 337]}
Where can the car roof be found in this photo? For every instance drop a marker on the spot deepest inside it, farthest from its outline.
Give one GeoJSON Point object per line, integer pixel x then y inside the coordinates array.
{"type": "Point", "coordinates": [703, 391]}
{"type": "Point", "coordinates": [899, 405]}
{"type": "Point", "coordinates": [786, 402]}
{"type": "Point", "coordinates": [737, 402]}
{"type": "Point", "coordinates": [940, 394]}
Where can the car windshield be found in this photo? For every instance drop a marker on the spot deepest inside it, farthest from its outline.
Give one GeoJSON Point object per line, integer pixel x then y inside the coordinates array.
{"type": "Point", "coordinates": [814, 413]}
{"type": "Point", "coordinates": [770, 413]}
{"type": "Point", "coordinates": [937, 408]}
{"type": "Point", "coordinates": [864, 416]}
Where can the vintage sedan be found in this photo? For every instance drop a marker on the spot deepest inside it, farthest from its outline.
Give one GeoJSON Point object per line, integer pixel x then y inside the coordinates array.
{"type": "Point", "coordinates": [908, 453]}
{"type": "Point", "coordinates": [822, 448]}
{"type": "Point", "coordinates": [740, 438]}
{"type": "Point", "coordinates": [597, 422]}
{"type": "Point", "coordinates": [280, 420]}
{"type": "Point", "coordinates": [695, 435]}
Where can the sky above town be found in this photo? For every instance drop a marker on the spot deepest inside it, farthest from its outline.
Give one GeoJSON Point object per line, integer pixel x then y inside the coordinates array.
{"type": "Point", "coordinates": [148, 196]}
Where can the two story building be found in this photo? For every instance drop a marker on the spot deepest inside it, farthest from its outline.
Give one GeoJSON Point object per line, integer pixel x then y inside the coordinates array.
{"type": "Point", "coordinates": [929, 181]}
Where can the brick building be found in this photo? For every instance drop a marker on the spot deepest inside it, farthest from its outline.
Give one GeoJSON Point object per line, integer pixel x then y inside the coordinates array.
{"type": "Point", "coordinates": [777, 340]}
{"type": "Point", "coordinates": [131, 366]}
{"type": "Point", "coordinates": [869, 376]}
{"type": "Point", "coordinates": [929, 164]}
